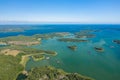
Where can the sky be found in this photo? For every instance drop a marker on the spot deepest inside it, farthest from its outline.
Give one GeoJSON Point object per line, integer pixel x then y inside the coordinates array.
{"type": "Point", "coordinates": [60, 11]}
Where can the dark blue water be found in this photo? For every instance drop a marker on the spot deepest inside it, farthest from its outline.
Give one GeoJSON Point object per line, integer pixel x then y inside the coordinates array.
{"type": "Point", "coordinates": [41, 29]}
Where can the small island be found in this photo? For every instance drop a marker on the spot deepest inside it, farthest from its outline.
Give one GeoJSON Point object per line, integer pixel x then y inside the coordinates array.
{"type": "Point", "coordinates": [38, 57]}
{"type": "Point", "coordinates": [52, 35]}
{"type": "Point", "coordinates": [116, 41]}
{"type": "Point", "coordinates": [85, 33]}
{"type": "Point", "coordinates": [99, 49]}
{"type": "Point", "coordinates": [72, 40]}
{"type": "Point", "coordinates": [73, 47]}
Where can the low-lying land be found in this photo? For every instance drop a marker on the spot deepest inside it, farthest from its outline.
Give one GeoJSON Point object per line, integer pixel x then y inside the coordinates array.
{"type": "Point", "coordinates": [38, 57]}
{"type": "Point", "coordinates": [14, 58]}
{"type": "Point", "coordinates": [19, 61]}
{"type": "Point", "coordinates": [51, 35]}
{"type": "Point", "coordinates": [73, 47]}
{"type": "Point", "coordinates": [50, 73]}
{"type": "Point", "coordinates": [116, 41]}
{"type": "Point", "coordinates": [72, 40]}
{"type": "Point", "coordinates": [85, 33]}
{"type": "Point", "coordinates": [29, 40]}
{"type": "Point", "coordinates": [15, 55]}
{"type": "Point", "coordinates": [14, 28]}
{"type": "Point", "coordinates": [3, 43]}
{"type": "Point", "coordinates": [99, 49]}
{"type": "Point", "coordinates": [10, 67]}
{"type": "Point", "coordinates": [11, 30]}
{"type": "Point", "coordinates": [20, 40]}
{"type": "Point", "coordinates": [10, 52]}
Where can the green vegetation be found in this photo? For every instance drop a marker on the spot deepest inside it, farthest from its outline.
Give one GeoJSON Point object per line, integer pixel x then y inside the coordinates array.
{"type": "Point", "coordinates": [11, 30]}
{"type": "Point", "coordinates": [51, 35]}
{"type": "Point", "coordinates": [49, 52]}
{"type": "Point", "coordinates": [73, 47]}
{"type": "Point", "coordinates": [38, 57]}
{"type": "Point", "coordinates": [16, 38]}
{"type": "Point", "coordinates": [26, 52]}
{"type": "Point", "coordinates": [29, 51]}
{"type": "Point", "coordinates": [15, 28]}
{"type": "Point", "coordinates": [10, 67]}
{"type": "Point", "coordinates": [20, 40]}
{"type": "Point", "coordinates": [72, 40]}
{"type": "Point", "coordinates": [50, 73]}
{"type": "Point", "coordinates": [85, 33]}
{"type": "Point", "coordinates": [116, 41]}
{"type": "Point", "coordinates": [99, 49]}
{"type": "Point", "coordinates": [32, 51]}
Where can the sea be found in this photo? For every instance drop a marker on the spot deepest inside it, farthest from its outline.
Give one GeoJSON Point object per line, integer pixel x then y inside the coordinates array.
{"type": "Point", "coordinates": [85, 60]}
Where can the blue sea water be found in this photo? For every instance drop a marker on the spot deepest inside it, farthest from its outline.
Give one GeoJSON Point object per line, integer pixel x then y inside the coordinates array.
{"type": "Point", "coordinates": [85, 60]}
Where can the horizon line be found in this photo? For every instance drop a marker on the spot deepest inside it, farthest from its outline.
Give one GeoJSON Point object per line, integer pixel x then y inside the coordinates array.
{"type": "Point", "coordinates": [37, 22]}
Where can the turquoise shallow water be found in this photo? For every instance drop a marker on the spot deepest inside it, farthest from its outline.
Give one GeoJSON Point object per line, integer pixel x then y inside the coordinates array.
{"type": "Point", "coordinates": [101, 66]}
{"type": "Point", "coordinates": [85, 60]}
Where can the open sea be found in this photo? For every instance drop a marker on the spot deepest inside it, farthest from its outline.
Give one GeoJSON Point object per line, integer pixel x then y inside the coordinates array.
{"type": "Point", "coordinates": [85, 60]}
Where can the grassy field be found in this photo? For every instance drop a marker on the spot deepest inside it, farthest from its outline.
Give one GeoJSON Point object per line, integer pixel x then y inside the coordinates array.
{"type": "Point", "coordinates": [10, 67]}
